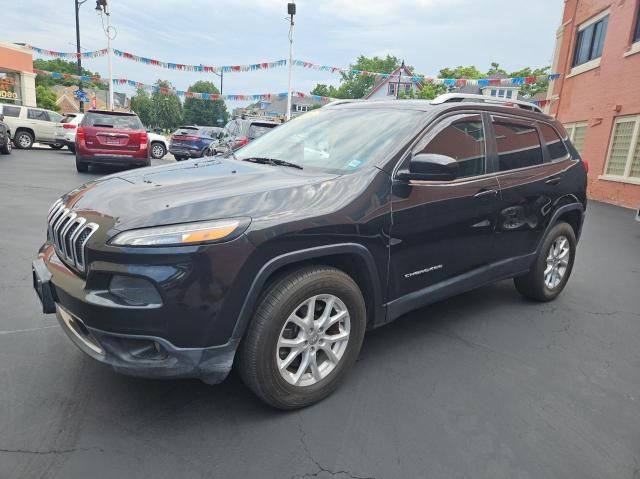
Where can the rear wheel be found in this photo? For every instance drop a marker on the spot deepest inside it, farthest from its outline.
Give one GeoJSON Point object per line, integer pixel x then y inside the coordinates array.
{"type": "Point", "coordinates": [72, 148]}
{"type": "Point", "coordinates": [178, 158]}
{"type": "Point", "coordinates": [81, 166]}
{"type": "Point", "coordinates": [304, 336]}
{"type": "Point", "coordinates": [157, 150]}
{"type": "Point", "coordinates": [552, 268]}
{"type": "Point", "coordinates": [23, 140]}
{"type": "Point", "coordinates": [56, 146]}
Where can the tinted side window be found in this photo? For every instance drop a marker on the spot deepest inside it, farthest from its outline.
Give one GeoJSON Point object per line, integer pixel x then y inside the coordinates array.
{"type": "Point", "coordinates": [518, 145]}
{"type": "Point", "coordinates": [37, 115]}
{"type": "Point", "coordinates": [13, 111]}
{"type": "Point", "coordinates": [463, 140]}
{"type": "Point", "coordinates": [555, 146]}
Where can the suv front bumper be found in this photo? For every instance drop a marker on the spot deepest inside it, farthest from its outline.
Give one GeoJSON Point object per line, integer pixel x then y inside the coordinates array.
{"type": "Point", "coordinates": [144, 355]}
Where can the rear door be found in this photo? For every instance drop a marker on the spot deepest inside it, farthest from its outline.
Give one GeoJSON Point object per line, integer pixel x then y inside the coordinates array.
{"type": "Point", "coordinates": [530, 173]}
{"type": "Point", "coordinates": [43, 123]}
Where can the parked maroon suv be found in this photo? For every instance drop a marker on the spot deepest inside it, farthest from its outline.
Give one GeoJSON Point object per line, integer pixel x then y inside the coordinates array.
{"type": "Point", "coordinates": [111, 138]}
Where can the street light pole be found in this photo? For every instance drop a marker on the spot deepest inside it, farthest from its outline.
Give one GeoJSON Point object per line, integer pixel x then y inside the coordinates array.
{"type": "Point", "coordinates": [102, 7]}
{"type": "Point", "coordinates": [291, 10]}
{"type": "Point", "coordinates": [78, 3]}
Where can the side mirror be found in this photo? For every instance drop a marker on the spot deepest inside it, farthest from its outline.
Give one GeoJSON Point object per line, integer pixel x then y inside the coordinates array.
{"type": "Point", "coordinates": [430, 167]}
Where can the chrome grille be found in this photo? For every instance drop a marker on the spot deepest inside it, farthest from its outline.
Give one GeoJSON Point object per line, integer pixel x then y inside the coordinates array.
{"type": "Point", "coordinates": [69, 234]}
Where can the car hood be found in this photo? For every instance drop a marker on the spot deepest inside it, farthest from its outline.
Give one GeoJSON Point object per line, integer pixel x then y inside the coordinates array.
{"type": "Point", "coordinates": [194, 190]}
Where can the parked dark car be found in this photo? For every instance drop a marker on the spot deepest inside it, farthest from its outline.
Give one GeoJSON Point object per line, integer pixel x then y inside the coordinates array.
{"type": "Point", "coordinates": [338, 221]}
{"type": "Point", "coordinates": [193, 141]}
{"type": "Point", "coordinates": [240, 132]}
{"type": "Point", "coordinates": [5, 138]}
{"type": "Point", "coordinates": [111, 138]}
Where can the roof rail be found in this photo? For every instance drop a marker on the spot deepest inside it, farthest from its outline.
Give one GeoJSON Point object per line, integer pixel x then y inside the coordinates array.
{"type": "Point", "coordinates": [459, 97]}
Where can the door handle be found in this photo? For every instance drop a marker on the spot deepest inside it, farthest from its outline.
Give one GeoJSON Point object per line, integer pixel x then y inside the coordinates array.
{"type": "Point", "coordinates": [486, 194]}
{"type": "Point", "coordinates": [553, 181]}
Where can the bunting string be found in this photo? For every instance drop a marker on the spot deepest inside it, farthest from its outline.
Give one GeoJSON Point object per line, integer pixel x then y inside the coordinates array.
{"type": "Point", "coordinates": [449, 82]}
{"type": "Point", "coordinates": [182, 93]}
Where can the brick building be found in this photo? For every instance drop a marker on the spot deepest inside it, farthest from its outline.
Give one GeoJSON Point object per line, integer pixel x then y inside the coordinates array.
{"type": "Point", "coordinates": [598, 95]}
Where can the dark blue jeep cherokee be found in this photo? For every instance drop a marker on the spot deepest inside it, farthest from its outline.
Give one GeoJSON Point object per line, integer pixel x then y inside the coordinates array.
{"type": "Point", "coordinates": [276, 260]}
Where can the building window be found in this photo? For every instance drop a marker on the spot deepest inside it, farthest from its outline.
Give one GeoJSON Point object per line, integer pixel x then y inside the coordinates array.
{"type": "Point", "coordinates": [407, 89]}
{"type": "Point", "coordinates": [624, 150]}
{"type": "Point", "coordinates": [576, 133]}
{"type": "Point", "coordinates": [494, 92]}
{"type": "Point", "coordinates": [590, 41]}
{"type": "Point", "coordinates": [392, 88]}
{"type": "Point", "coordinates": [636, 35]}
{"type": "Point", "coordinates": [302, 108]}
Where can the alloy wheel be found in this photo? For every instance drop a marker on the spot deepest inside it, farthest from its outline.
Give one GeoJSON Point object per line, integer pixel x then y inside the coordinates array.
{"type": "Point", "coordinates": [557, 262]}
{"type": "Point", "coordinates": [24, 141]}
{"type": "Point", "coordinates": [313, 340]}
{"type": "Point", "coordinates": [157, 151]}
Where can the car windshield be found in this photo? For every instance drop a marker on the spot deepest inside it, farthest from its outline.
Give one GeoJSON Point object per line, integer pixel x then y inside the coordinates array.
{"type": "Point", "coordinates": [337, 141]}
{"type": "Point", "coordinates": [122, 122]}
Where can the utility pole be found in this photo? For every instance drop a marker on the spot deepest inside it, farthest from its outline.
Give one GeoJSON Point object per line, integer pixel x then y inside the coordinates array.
{"type": "Point", "coordinates": [399, 78]}
{"type": "Point", "coordinates": [78, 4]}
{"type": "Point", "coordinates": [291, 11]}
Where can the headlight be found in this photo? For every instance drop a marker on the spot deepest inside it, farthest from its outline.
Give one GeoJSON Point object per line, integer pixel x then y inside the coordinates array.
{"type": "Point", "coordinates": [183, 234]}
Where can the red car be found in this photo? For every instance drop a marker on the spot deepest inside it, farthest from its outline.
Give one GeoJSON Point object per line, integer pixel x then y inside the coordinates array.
{"type": "Point", "coordinates": [111, 138]}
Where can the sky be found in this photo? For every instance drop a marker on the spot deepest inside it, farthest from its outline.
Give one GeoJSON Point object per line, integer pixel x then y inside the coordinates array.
{"type": "Point", "coordinates": [427, 34]}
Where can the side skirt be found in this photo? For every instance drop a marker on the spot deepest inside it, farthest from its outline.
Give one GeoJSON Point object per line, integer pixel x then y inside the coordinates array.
{"type": "Point", "coordinates": [459, 284]}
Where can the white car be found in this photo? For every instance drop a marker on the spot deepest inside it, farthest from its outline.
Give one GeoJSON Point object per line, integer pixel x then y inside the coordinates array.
{"type": "Point", "coordinates": [157, 145]}
{"type": "Point", "coordinates": [29, 125]}
{"type": "Point", "coordinates": [66, 130]}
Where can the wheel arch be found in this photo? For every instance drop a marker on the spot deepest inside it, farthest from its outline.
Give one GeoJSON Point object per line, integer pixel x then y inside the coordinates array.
{"type": "Point", "coordinates": [352, 258]}
{"type": "Point", "coordinates": [572, 213]}
{"type": "Point", "coordinates": [27, 129]}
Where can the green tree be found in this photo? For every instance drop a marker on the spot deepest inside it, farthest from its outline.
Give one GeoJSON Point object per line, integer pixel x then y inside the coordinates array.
{"type": "Point", "coordinates": [166, 108]}
{"type": "Point", "coordinates": [204, 112]}
{"type": "Point", "coordinates": [496, 70]}
{"type": "Point", "coordinates": [62, 66]}
{"type": "Point", "coordinates": [142, 106]}
{"type": "Point", "coordinates": [529, 90]}
{"type": "Point", "coordinates": [46, 98]}
{"type": "Point", "coordinates": [470, 72]}
{"type": "Point", "coordinates": [353, 85]}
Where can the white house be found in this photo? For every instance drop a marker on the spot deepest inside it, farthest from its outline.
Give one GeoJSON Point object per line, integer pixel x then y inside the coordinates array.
{"type": "Point", "coordinates": [386, 88]}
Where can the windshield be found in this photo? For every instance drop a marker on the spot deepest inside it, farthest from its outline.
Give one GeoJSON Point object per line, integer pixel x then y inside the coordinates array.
{"type": "Point", "coordinates": [339, 141]}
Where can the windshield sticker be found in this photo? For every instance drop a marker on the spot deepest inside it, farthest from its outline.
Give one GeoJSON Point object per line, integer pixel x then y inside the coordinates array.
{"type": "Point", "coordinates": [353, 164]}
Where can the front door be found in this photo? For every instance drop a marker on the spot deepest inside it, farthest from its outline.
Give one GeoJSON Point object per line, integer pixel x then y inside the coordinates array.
{"type": "Point", "coordinates": [441, 229]}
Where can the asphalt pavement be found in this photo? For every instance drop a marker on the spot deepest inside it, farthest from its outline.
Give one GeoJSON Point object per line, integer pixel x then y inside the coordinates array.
{"type": "Point", "coordinates": [483, 385]}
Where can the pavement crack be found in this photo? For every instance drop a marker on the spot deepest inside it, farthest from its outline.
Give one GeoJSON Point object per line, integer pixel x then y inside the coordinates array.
{"type": "Point", "coordinates": [321, 469]}
{"type": "Point", "coordinates": [50, 451]}
{"type": "Point", "coordinates": [27, 330]}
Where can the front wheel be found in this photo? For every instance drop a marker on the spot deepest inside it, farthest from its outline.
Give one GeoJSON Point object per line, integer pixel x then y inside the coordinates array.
{"type": "Point", "coordinates": [157, 150]}
{"type": "Point", "coordinates": [553, 265]}
{"type": "Point", "coordinates": [304, 336]}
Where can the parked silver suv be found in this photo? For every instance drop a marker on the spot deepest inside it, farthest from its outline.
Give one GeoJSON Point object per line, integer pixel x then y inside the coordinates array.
{"type": "Point", "coordinates": [30, 124]}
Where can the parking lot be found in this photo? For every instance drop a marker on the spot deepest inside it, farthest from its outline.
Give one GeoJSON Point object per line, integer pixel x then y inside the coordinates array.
{"type": "Point", "coordinates": [484, 385]}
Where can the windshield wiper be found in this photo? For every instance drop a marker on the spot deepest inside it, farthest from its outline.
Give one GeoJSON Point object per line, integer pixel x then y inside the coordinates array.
{"type": "Point", "coordinates": [272, 161]}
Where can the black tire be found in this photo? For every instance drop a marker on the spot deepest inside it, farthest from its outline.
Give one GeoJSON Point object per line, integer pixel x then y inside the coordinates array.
{"type": "Point", "coordinates": [6, 148]}
{"type": "Point", "coordinates": [72, 148]}
{"type": "Point", "coordinates": [158, 150]}
{"type": "Point", "coordinates": [81, 166]}
{"type": "Point", "coordinates": [23, 140]}
{"type": "Point", "coordinates": [56, 146]}
{"type": "Point", "coordinates": [178, 158]}
{"type": "Point", "coordinates": [532, 285]}
{"type": "Point", "coordinates": [256, 360]}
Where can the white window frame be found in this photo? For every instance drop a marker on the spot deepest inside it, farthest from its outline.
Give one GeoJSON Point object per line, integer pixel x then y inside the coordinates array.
{"type": "Point", "coordinates": [595, 62]}
{"type": "Point", "coordinates": [391, 88]}
{"type": "Point", "coordinates": [302, 108]}
{"type": "Point", "coordinates": [635, 137]}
